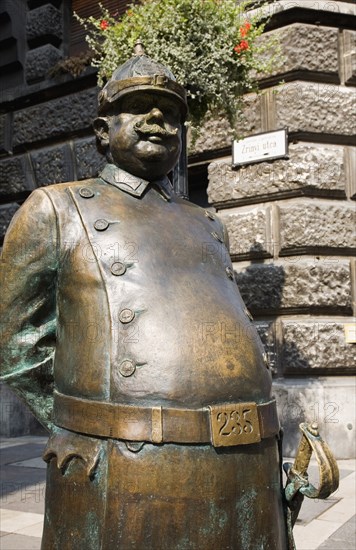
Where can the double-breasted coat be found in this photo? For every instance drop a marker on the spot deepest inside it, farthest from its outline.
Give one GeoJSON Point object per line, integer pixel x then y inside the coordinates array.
{"type": "Point", "coordinates": [121, 316]}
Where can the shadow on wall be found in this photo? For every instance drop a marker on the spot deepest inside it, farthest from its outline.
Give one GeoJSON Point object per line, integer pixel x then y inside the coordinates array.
{"type": "Point", "coordinates": [15, 417]}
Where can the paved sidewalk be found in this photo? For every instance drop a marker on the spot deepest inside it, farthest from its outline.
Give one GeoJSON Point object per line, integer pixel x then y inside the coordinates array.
{"type": "Point", "coordinates": [322, 525]}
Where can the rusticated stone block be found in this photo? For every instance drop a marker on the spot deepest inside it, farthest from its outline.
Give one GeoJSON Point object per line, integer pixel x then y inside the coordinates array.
{"type": "Point", "coordinates": [15, 176]}
{"type": "Point", "coordinates": [309, 168]}
{"type": "Point", "coordinates": [248, 231]}
{"type": "Point", "coordinates": [56, 117]}
{"type": "Point", "coordinates": [318, 345]}
{"type": "Point", "coordinates": [40, 60]}
{"type": "Point", "coordinates": [305, 48]}
{"type": "Point", "coordinates": [262, 286]}
{"type": "Point", "coordinates": [315, 107]}
{"type": "Point", "coordinates": [53, 165]}
{"type": "Point", "coordinates": [302, 285]}
{"type": "Point", "coordinates": [349, 56]}
{"type": "Point", "coordinates": [88, 160]}
{"type": "Point", "coordinates": [216, 133]}
{"type": "Point", "coordinates": [6, 213]}
{"type": "Point", "coordinates": [250, 121]}
{"type": "Point", "coordinates": [44, 21]}
{"type": "Point", "coordinates": [317, 225]}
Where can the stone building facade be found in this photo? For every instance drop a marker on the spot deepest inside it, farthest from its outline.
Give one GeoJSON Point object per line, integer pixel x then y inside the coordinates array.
{"type": "Point", "coordinates": [291, 221]}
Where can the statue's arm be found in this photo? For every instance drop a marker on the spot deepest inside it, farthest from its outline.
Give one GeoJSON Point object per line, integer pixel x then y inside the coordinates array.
{"type": "Point", "coordinates": [28, 271]}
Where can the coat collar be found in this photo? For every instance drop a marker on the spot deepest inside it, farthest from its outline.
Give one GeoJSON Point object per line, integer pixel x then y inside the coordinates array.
{"type": "Point", "coordinates": [132, 184]}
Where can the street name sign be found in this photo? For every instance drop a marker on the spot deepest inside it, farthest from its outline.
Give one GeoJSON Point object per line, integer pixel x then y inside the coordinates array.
{"type": "Point", "coordinates": [260, 148]}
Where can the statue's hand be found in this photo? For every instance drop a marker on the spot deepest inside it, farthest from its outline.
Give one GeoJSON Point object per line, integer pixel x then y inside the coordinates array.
{"type": "Point", "coordinates": [66, 445]}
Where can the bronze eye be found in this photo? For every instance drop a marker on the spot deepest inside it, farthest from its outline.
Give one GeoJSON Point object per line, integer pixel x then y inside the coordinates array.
{"type": "Point", "coordinates": [170, 111]}
{"type": "Point", "coordinates": [133, 105]}
{"type": "Point", "coordinates": [136, 107]}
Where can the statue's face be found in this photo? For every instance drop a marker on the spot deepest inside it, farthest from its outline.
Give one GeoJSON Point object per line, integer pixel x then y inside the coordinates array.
{"type": "Point", "coordinates": [144, 139]}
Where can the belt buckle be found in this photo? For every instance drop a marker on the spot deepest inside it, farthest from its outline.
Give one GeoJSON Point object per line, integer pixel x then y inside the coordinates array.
{"type": "Point", "coordinates": [234, 424]}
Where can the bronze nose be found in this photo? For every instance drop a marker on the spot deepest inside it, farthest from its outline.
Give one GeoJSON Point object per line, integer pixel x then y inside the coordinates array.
{"type": "Point", "coordinates": [155, 115]}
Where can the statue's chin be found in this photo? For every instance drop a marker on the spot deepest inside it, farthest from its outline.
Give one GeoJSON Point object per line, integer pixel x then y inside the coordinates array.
{"type": "Point", "coordinates": [153, 152]}
{"type": "Point", "coordinates": [147, 159]}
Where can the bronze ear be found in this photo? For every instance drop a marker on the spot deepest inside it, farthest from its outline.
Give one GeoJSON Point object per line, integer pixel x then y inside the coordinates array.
{"type": "Point", "coordinates": [101, 128]}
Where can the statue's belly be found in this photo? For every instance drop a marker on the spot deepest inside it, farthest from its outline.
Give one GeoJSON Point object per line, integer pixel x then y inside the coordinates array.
{"type": "Point", "coordinates": [189, 342]}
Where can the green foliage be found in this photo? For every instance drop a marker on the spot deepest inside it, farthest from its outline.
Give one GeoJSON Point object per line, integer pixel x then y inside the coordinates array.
{"type": "Point", "coordinates": [211, 46]}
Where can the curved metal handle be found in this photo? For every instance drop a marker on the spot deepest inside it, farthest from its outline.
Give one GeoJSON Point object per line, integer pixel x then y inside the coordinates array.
{"type": "Point", "coordinates": [328, 468]}
{"type": "Point", "coordinates": [297, 473]}
{"type": "Point", "coordinates": [298, 484]}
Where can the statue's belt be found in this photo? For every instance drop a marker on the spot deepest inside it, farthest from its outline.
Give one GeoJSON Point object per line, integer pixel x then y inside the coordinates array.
{"type": "Point", "coordinates": [222, 425]}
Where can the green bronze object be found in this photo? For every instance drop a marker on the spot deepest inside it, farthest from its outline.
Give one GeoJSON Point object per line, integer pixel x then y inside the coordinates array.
{"type": "Point", "coordinates": [124, 331]}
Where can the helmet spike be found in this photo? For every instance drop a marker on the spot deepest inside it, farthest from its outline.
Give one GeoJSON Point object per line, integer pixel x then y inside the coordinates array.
{"type": "Point", "coordinates": [139, 48]}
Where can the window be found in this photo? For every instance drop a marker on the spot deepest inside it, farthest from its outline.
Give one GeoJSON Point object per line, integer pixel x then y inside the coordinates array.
{"type": "Point", "coordinates": [85, 8]}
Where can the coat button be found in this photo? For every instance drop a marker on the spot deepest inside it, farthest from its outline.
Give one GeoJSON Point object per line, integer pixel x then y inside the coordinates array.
{"type": "Point", "coordinates": [118, 268]}
{"type": "Point", "coordinates": [126, 315]}
{"type": "Point", "coordinates": [230, 273]}
{"type": "Point", "coordinates": [101, 225]}
{"type": "Point", "coordinates": [217, 237]}
{"type": "Point", "coordinates": [86, 193]}
{"type": "Point", "coordinates": [209, 215]}
{"type": "Point", "coordinates": [127, 368]}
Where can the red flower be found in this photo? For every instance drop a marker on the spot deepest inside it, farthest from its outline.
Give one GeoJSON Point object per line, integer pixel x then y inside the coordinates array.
{"type": "Point", "coordinates": [243, 45]}
{"type": "Point", "coordinates": [104, 24]}
{"type": "Point", "coordinates": [244, 30]}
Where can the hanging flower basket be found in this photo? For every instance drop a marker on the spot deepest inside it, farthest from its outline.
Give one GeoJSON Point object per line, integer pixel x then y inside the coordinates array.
{"type": "Point", "coordinates": [211, 46]}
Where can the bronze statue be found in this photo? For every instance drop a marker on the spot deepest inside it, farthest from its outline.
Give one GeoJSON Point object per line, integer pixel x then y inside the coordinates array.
{"type": "Point", "coordinates": [124, 331]}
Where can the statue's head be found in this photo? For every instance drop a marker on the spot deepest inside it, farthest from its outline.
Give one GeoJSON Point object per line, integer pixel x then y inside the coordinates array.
{"type": "Point", "coordinates": [141, 109]}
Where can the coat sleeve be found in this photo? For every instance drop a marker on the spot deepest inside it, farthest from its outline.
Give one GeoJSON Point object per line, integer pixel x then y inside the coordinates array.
{"type": "Point", "coordinates": [28, 273]}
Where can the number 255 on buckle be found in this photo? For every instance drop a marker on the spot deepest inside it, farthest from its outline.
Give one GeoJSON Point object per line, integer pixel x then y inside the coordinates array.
{"type": "Point", "coordinates": [236, 424]}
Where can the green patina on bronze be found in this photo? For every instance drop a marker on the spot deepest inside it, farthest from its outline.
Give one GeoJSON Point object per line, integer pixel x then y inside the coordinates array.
{"type": "Point", "coordinates": [116, 296]}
